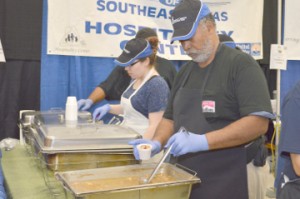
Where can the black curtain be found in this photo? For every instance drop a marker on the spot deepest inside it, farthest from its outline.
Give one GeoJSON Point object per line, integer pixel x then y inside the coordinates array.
{"type": "Point", "coordinates": [20, 33]}
{"type": "Point", "coordinates": [269, 37]}
{"type": "Point", "coordinates": [20, 90]}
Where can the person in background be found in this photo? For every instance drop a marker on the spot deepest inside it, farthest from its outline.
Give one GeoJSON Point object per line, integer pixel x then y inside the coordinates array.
{"type": "Point", "coordinates": [288, 165]}
{"type": "Point", "coordinates": [145, 99]}
{"type": "Point", "coordinates": [116, 83]}
{"type": "Point", "coordinates": [228, 41]}
{"type": "Point", "coordinates": [219, 105]}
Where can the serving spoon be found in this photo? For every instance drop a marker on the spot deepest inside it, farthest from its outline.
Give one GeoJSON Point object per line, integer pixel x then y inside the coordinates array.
{"type": "Point", "coordinates": [145, 180]}
{"type": "Point", "coordinates": [148, 180]}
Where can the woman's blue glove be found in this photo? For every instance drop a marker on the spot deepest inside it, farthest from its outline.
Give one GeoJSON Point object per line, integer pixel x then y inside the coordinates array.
{"type": "Point", "coordinates": [187, 142]}
{"type": "Point", "coordinates": [156, 147]}
{"type": "Point", "coordinates": [84, 104]}
{"type": "Point", "coordinates": [101, 111]}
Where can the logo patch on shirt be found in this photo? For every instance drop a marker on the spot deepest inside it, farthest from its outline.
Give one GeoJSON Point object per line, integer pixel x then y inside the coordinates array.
{"type": "Point", "coordinates": [208, 106]}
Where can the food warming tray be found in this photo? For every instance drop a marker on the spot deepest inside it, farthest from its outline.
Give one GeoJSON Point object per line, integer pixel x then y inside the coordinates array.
{"type": "Point", "coordinates": [125, 182]}
{"type": "Point", "coordinates": [53, 135]}
{"type": "Point", "coordinates": [65, 146]}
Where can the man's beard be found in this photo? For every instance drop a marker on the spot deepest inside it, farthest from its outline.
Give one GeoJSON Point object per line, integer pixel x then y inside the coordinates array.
{"type": "Point", "coordinates": [202, 55]}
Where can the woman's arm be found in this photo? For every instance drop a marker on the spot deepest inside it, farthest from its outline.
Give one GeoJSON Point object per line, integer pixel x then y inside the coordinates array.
{"type": "Point", "coordinates": [154, 119]}
{"type": "Point", "coordinates": [116, 109]}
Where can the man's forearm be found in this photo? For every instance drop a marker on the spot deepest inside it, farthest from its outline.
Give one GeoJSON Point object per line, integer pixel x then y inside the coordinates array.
{"type": "Point", "coordinates": [97, 95]}
{"type": "Point", "coordinates": [237, 133]}
{"type": "Point", "coordinates": [164, 131]}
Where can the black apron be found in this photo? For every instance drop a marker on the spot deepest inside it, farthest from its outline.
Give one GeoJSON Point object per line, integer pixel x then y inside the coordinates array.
{"type": "Point", "coordinates": [223, 173]}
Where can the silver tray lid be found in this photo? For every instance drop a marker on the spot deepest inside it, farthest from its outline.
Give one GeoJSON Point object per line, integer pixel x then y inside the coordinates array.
{"type": "Point", "coordinates": [113, 175]}
{"type": "Point", "coordinates": [53, 135]}
{"type": "Point", "coordinates": [57, 117]}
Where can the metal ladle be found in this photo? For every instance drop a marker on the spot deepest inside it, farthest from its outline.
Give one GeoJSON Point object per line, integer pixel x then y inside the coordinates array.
{"type": "Point", "coordinates": [146, 181]}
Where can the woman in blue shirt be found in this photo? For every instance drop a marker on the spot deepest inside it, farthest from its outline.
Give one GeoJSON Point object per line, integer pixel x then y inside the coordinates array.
{"type": "Point", "coordinates": [144, 101]}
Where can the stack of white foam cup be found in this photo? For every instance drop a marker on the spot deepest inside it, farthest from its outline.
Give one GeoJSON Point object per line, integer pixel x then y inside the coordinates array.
{"type": "Point", "coordinates": [71, 109]}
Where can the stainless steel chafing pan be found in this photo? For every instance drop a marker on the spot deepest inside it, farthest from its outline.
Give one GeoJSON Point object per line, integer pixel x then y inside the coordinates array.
{"type": "Point", "coordinates": [83, 144]}
{"type": "Point", "coordinates": [124, 182]}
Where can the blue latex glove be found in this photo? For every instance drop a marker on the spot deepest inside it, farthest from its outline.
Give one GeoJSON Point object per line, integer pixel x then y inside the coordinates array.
{"type": "Point", "coordinates": [156, 146]}
{"type": "Point", "coordinates": [187, 142]}
{"type": "Point", "coordinates": [101, 111]}
{"type": "Point", "coordinates": [84, 104]}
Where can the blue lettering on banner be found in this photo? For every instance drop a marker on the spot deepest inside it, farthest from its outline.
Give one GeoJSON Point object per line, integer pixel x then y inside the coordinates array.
{"type": "Point", "coordinates": [223, 32]}
{"type": "Point", "coordinates": [111, 6]}
{"type": "Point", "coordinates": [246, 47]}
{"type": "Point", "coordinates": [162, 48]}
{"type": "Point", "coordinates": [97, 27]}
{"type": "Point", "coordinates": [165, 33]}
{"type": "Point", "coordinates": [170, 2]}
{"type": "Point", "coordinates": [112, 28]}
{"type": "Point", "coordinates": [129, 8]}
{"type": "Point", "coordinates": [129, 30]}
{"type": "Point", "coordinates": [115, 28]}
{"type": "Point", "coordinates": [222, 16]}
{"type": "Point", "coordinates": [101, 7]}
{"type": "Point", "coordinates": [161, 13]}
{"type": "Point", "coordinates": [152, 11]}
{"type": "Point", "coordinates": [169, 47]}
{"type": "Point", "coordinates": [141, 11]}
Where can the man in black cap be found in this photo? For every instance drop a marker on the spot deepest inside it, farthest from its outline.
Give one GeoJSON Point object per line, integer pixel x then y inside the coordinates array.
{"type": "Point", "coordinates": [116, 83]}
{"type": "Point", "coordinates": [222, 100]}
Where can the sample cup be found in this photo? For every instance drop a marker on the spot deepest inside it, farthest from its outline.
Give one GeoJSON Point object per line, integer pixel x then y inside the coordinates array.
{"type": "Point", "coordinates": [144, 151]}
{"type": "Point", "coordinates": [71, 109]}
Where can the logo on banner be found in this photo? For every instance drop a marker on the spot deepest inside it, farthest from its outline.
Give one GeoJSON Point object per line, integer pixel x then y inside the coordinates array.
{"type": "Point", "coordinates": [256, 49]}
{"type": "Point", "coordinates": [253, 49]}
{"type": "Point", "coordinates": [71, 37]}
{"type": "Point", "coordinates": [208, 106]}
{"type": "Point", "coordinates": [170, 2]}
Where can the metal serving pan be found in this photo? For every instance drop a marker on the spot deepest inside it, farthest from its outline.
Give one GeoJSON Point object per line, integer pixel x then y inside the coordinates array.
{"type": "Point", "coordinates": [125, 182]}
{"type": "Point", "coordinates": [53, 134]}
{"type": "Point", "coordinates": [62, 146]}
{"type": "Point", "coordinates": [53, 138]}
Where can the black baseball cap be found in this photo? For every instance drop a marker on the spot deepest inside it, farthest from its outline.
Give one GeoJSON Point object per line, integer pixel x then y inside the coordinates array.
{"type": "Point", "coordinates": [186, 17]}
{"type": "Point", "coordinates": [134, 49]}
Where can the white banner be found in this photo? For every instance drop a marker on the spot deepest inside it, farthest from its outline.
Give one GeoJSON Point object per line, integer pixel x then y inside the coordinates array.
{"type": "Point", "coordinates": [292, 29]}
{"type": "Point", "coordinates": [98, 28]}
{"type": "Point", "coordinates": [2, 57]}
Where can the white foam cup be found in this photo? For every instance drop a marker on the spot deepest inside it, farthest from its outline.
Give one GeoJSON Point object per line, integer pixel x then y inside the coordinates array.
{"type": "Point", "coordinates": [144, 151]}
{"type": "Point", "coordinates": [71, 109]}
